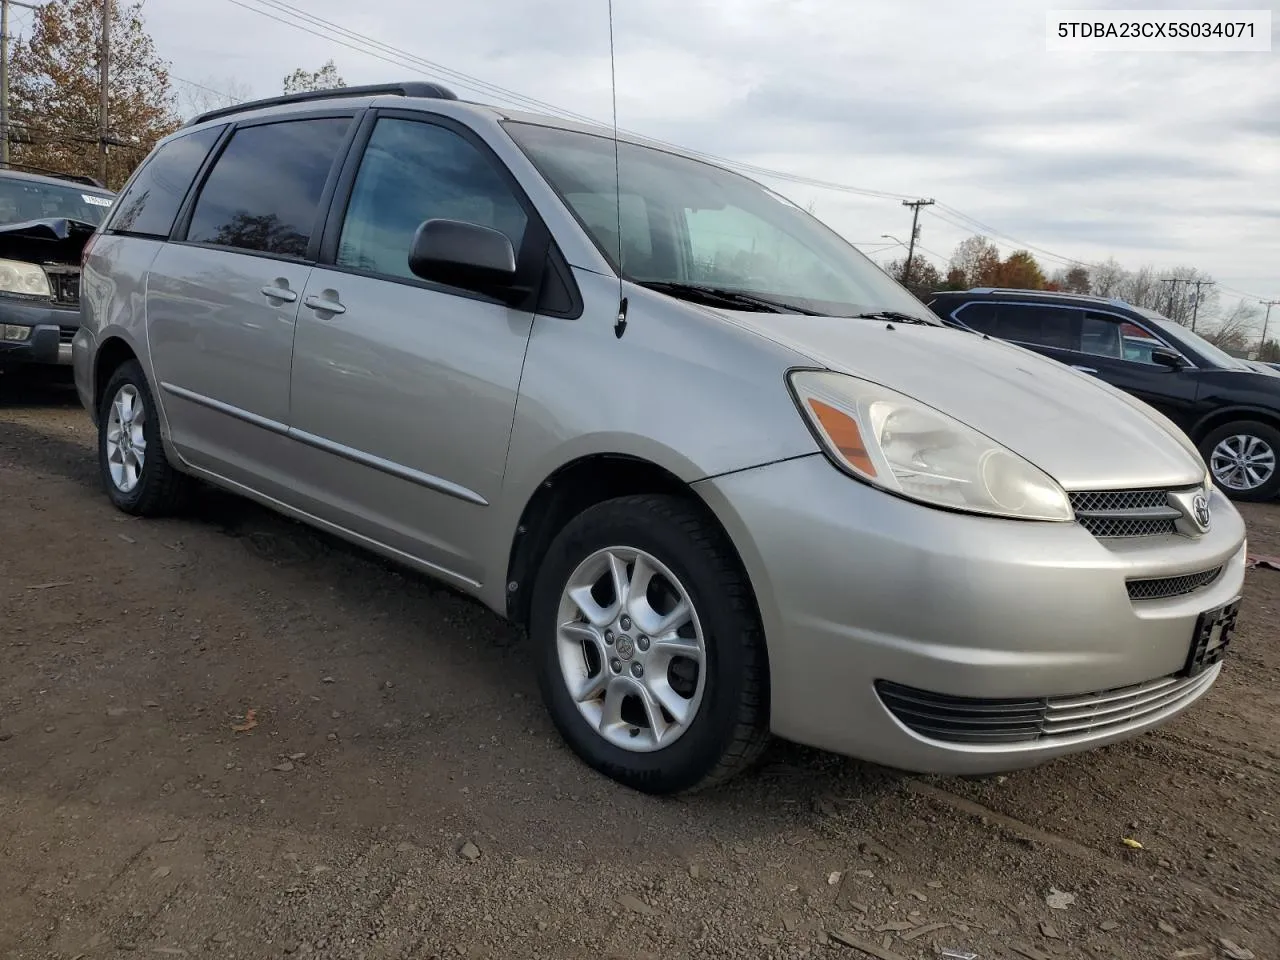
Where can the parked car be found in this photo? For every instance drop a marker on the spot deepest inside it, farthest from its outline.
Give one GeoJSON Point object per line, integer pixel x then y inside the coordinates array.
{"type": "Point", "coordinates": [731, 477]}
{"type": "Point", "coordinates": [44, 223]}
{"type": "Point", "coordinates": [1228, 408]}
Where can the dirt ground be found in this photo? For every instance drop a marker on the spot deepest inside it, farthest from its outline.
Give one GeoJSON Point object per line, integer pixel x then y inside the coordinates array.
{"type": "Point", "coordinates": [402, 794]}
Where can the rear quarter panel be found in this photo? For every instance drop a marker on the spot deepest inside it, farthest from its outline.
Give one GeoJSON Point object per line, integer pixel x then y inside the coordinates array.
{"type": "Point", "coordinates": [113, 287]}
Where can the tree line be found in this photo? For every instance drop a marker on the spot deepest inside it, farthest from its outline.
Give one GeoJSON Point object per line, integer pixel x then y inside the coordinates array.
{"type": "Point", "coordinates": [1173, 291]}
{"type": "Point", "coordinates": [54, 119]}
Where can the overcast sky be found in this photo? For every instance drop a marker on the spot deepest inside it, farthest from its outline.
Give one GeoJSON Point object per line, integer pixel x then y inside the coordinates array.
{"type": "Point", "coordinates": [1168, 159]}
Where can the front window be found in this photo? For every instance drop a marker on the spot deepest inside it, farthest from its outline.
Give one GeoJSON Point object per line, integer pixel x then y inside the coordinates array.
{"type": "Point", "coordinates": [1213, 356]}
{"type": "Point", "coordinates": [690, 225]}
{"type": "Point", "coordinates": [22, 200]}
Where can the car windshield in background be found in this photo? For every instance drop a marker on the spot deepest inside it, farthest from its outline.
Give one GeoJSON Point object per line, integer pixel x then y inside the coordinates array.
{"type": "Point", "coordinates": [22, 200]}
{"type": "Point", "coordinates": [702, 233]}
{"type": "Point", "coordinates": [1215, 356]}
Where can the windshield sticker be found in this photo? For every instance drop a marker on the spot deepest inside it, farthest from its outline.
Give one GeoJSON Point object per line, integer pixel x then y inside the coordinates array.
{"type": "Point", "coordinates": [96, 201]}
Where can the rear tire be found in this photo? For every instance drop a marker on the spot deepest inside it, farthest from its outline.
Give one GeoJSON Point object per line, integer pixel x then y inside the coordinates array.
{"type": "Point", "coordinates": [693, 707]}
{"type": "Point", "coordinates": [1244, 458]}
{"type": "Point", "coordinates": [135, 471]}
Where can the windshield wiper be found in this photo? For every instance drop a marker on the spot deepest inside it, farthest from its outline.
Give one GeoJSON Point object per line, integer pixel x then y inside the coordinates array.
{"type": "Point", "coordinates": [892, 315]}
{"type": "Point", "coordinates": [714, 296]}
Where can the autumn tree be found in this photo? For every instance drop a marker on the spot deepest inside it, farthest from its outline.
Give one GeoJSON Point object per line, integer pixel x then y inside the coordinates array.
{"type": "Point", "coordinates": [1072, 280]}
{"type": "Point", "coordinates": [54, 91]}
{"type": "Point", "coordinates": [326, 78]}
{"type": "Point", "coordinates": [1019, 271]}
{"type": "Point", "coordinates": [924, 278]}
{"type": "Point", "coordinates": [977, 261]}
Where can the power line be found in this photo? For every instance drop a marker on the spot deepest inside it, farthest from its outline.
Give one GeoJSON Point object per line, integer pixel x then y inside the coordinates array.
{"type": "Point", "coordinates": [353, 40]}
{"type": "Point", "coordinates": [288, 14]}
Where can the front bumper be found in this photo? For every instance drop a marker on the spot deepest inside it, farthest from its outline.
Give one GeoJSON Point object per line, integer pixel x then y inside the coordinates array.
{"type": "Point", "coordinates": [52, 329]}
{"type": "Point", "coordinates": [856, 586]}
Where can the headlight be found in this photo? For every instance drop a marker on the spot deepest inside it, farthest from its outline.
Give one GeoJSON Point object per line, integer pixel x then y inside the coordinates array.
{"type": "Point", "coordinates": [25, 278]}
{"type": "Point", "coordinates": [909, 448]}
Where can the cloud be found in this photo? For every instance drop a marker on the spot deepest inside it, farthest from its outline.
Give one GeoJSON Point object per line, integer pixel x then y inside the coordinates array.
{"type": "Point", "coordinates": [1152, 158]}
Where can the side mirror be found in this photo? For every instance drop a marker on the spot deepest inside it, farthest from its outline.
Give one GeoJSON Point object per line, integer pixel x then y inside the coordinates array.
{"type": "Point", "coordinates": [466, 255]}
{"type": "Point", "coordinates": [1167, 358]}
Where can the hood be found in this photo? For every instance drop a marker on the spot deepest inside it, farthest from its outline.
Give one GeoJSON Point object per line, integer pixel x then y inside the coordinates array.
{"type": "Point", "coordinates": [55, 240]}
{"type": "Point", "coordinates": [1085, 434]}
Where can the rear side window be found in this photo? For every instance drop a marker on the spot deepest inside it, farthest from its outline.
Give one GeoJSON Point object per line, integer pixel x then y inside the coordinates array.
{"type": "Point", "coordinates": [263, 193]}
{"type": "Point", "coordinates": [150, 205]}
{"type": "Point", "coordinates": [1028, 323]}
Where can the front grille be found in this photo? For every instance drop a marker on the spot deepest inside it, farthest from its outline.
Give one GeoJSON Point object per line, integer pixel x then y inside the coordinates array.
{"type": "Point", "coordinates": [973, 720]}
{"type": "Point", "coordinates": [1125, 513]}
{"type": "Point", "coordinates": [66, 334]}
{"type": "Point", "coordinates": [1163, 588]}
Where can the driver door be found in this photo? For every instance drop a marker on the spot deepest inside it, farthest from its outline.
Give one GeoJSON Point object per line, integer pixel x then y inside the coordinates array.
{"type": "Point", "coordinates": [403, 391]}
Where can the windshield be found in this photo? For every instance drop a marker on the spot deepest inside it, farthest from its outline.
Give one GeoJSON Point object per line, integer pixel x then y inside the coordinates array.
{"type": "Point", "coordinates": [690, 227]}
{"type": "Point", "coordinates": [22, 200]}
{"type": "Point", "coordinates": [1214, 356]}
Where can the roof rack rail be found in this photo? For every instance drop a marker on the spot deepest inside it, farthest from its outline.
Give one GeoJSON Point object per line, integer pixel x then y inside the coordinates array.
{"type": "Point", "coordinates": [411, 89]}
{"type": "Point", "coordinates": [1116, 301]}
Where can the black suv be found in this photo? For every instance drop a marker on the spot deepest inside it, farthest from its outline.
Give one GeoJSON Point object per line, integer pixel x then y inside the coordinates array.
{"type": "Point", "coordinates": [1228, 407]}
{"type": "Point", "coordinates": [44, 224]}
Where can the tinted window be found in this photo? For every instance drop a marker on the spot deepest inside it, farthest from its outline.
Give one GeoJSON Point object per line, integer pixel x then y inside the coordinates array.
{"type": "Point", "coordinates": [151, 203]}
{"type": "Point", "coordinates": [979, 316]}
{"type": "Point", "coordinates": [1102, 336]}
{"type": "Point", "coordinates": [263, 193]}
{"type": "Point", "coordinates": [411, 172]}
{"type": "Point", "coordinates": [1045, 326]}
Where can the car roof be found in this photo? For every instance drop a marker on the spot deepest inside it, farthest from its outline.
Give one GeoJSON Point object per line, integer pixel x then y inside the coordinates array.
{"type": "Point", "coordinates": [1044, 296]}
{"type": "Point", "coordinates": [88, 184]}
{"type": "Point", "coordinates": [409, 95]}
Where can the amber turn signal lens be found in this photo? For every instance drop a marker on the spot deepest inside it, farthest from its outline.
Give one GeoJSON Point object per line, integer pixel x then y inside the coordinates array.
{"type": "Point", "coordinates": [842, 430]}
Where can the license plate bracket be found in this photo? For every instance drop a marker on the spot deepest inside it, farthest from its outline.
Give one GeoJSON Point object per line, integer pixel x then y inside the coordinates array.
{"type": "Point", "coordinates": [1214, 631]}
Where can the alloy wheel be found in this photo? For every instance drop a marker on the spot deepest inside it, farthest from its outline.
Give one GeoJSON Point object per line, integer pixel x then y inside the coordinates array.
{"type": "Point", "coordinates": [1242, 462]}
{"type": "Point", "coordinates": [631, 649]}
{"type": "Point", "coordinates": [126, 442]}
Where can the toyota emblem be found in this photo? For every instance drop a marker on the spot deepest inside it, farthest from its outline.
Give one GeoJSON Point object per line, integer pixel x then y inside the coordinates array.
{"type": "Point", "coordinates": [1200, 511]}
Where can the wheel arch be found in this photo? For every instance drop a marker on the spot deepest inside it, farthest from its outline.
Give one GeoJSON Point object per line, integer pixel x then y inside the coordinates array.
{"type": "Point", "coordinates": [1212, 421]}
{"type": "Point", "coordinates": [579, 485]}
{"type": "Point", "coordinates": [112, 353]}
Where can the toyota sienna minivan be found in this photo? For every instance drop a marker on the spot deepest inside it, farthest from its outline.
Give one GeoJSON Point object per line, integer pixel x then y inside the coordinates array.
{"type": "Point", "coordinates": [731, 478]}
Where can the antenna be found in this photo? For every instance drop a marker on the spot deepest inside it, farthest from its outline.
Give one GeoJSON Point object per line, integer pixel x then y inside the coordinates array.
{"type": "Point", "coordinates": [620, 324]}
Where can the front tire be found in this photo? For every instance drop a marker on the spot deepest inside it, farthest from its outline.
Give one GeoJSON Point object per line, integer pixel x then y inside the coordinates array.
{"type": "Point", "coordinates": [1244, 459]}
{"type": "Point", "coordinates": [650, 653]}
{"type": "Point", "coordinates": [135, 471]}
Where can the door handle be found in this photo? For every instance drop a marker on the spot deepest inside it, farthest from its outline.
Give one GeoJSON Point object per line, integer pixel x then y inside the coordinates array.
{"type": "Point", "coordinates": [1075, 366]}
{"type": "Point", "coordinates": [275, 292]}
{"type": "Point", "coordinates": [324, 305]}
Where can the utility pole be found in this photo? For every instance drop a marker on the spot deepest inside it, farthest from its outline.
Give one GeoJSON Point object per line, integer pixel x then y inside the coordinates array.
{"type": "Point", "coordinates": [1173, 286]}
{"type": "Point", "coordinates": [104, 74]}
{"type": "Point", "coordinates": [915, 206]}
{"type": "Point", "coordinates": [1195, 304]}
{"type": "Point", "coordinates": [1266, 320]}
{"type": "Point", "coordinates": [4, 76]}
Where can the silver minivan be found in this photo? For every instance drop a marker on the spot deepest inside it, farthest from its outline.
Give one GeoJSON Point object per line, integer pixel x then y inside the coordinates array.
{"type": "Point", "coordinates": [731, 477]}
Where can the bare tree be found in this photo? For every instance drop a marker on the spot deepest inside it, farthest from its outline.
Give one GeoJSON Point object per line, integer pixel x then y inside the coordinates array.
{"type": "Point", "coordinates": [210, 93]}
{"type": "Point", "coordinates": [1236, 328]}
{"type": "Point", "coordinates": [1106, 278]}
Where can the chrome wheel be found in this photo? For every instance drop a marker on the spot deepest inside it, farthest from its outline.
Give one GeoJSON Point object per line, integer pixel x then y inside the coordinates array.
{"type": "Point", "coordinates": [631, 649]}
{"type": "Point", "coordinates": [126, 443]}
{"type": "Point", "coordinates": [1242, 462]}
